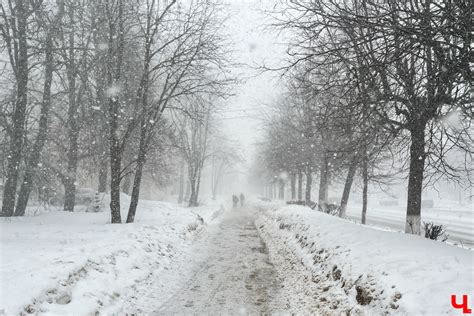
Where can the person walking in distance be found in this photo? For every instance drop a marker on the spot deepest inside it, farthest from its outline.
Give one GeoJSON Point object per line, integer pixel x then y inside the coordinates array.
{"type": "Point", "coordinates": [235, 201]}
{"type": "Point", "coordinates": [242, 199]}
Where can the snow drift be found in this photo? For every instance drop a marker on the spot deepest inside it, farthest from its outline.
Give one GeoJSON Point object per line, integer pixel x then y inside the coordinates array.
{"type": "Point", "coordinates": [336, 266]}
{"type": "Point", "coordinates": [61, 263]}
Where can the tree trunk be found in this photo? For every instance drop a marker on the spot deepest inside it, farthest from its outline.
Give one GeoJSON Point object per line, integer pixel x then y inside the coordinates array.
{"type": "Point", "coordinates": [192, 198]}
{"type": "Point", "coordinates": [309, 181]}
{"type": "Point", "coordinates": [115, 178]}
{"type": "Point", "coordinates": [19, 115]}
{"type": "Point", "coordinates": [323, 186]}
{"type": "Point", "coordinates": [293, 186]}
{"type": "Point", "coordinates": [300, 186]}
{"type": "Point", "coordinates": [132, 209]}
{"type": "Point", "coordinates": [192, 185]}
{"type": "Point", "coordinates": [69, 194]}
{"type": "Point", "coordinates": [347, 187]}
{"type": "Point", "coordinates": [214, 177]}
{"type": "Point", "coordinates": [281, 190]}
{"type": "Point", "coordinates": [99, 116]}
{"type": "Point", "coordinates": [115, 59]}
{"type": "Point", "coordinates": [103, 173]}
{"type": "Point", "coordinates": [70, 184]}
{"type": "Point", "coordinates": [138, 176]}
{"type": "Point", "coordinates": [72, 122]}
{"type": "Point", "coordinates": [365, 186]}
{"type": "Point", "coordinates": [115, 163]}
{"type": "Point", "coordinates": [415, 180]}
{"type": "Point", "coordinates": [145, 131]}
{"type": "Point", "coordinates": [198, 187]}
{"type": "Point", "coordinates": [35, 155]}
{"type": "Point", "coordinates": [181, 183]}
{"type": "Point", "coordinates": [187, 190]}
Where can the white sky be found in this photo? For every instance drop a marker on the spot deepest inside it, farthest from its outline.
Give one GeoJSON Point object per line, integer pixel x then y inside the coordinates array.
{"type": "Point", "coordinates": [242, 114]}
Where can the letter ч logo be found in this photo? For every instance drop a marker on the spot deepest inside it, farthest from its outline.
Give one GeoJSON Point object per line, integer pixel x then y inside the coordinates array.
{"type": "Point", "coordinates": [463, 305]}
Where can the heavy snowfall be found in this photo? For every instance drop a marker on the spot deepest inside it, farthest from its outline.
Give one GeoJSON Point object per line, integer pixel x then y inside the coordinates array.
{"type": "Point", "coordinates": [236, 157]}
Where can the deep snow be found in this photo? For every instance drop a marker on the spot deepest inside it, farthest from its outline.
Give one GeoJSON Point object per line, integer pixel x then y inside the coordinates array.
{"type": "Point", "coordinates": [335, 266]}
{"type": "Point", "coordinates": [210, 260]}
{"type": "Point", "coordinates": [59, 263]}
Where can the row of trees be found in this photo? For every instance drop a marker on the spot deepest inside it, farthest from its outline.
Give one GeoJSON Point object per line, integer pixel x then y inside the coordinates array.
{"type": "Point", "coordinates": [88, 88]}
{"type": "Point", "coordinates": [375, 87]}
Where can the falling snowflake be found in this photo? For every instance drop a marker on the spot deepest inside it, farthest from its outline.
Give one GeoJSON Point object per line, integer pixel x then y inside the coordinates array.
{"type": "Point", "coordinates": [112, 91]}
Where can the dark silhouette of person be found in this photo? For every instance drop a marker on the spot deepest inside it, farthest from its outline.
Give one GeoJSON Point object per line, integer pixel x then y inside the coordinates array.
{"type": "Point", "coordinates": [242, 199]}
{"type": "Point", "coordinates": [235, 200]}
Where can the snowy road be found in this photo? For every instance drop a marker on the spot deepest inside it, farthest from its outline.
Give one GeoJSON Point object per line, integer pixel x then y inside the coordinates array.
{"type": "Point", "coordinates": [234, 275]}
{"type": "Point", "coordinates": [459, 220]}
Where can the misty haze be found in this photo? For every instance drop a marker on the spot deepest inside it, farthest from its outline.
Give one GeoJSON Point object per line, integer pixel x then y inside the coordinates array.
{"type": "Point", "coordinates": [236, 157]}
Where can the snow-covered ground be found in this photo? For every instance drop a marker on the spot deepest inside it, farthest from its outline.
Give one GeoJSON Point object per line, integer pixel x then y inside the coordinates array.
{"type": "Point", "coordinates": [264, 258]}
{"type": "Point", "coordinates": [61, 263]}
{"type": "Point", "coordinates": [228, 272]}
{"type": "Point", "coordinates": [335, 266]}
{"type": "Point", "coordinates": [458, 219]}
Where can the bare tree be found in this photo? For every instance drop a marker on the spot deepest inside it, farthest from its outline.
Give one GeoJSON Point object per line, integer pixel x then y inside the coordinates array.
{"type": "Point", "coordinates": [14, 33]}
{"type": "Point", "coordinates": [196, 51]}
{"type": "Point", "coordinates": [410, 58]}
{"type": "Point", "coordinates": [34, 157]}
{"type": "Point", "coordinates": [223, 157]}
{"type": "Point", "coordinates": [194, 136]}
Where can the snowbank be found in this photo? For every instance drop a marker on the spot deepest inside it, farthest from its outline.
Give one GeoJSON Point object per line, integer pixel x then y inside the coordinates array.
{"type": "Point", "coordinates": [336, 266]}
{"type": "Point", "coordinates": [59, 262]}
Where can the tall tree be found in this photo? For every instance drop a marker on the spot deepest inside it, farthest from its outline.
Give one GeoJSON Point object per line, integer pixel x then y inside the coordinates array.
{"type": "Point", "coordinates": [15, 35]}
{"type": "Point", "coordinates": [412, 57]}
{"type": "Point", "coordinates": [35, 154]}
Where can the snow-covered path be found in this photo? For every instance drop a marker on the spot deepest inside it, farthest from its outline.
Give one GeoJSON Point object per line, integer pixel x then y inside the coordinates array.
{"type": "Point", "coordinates": [233, 275]}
